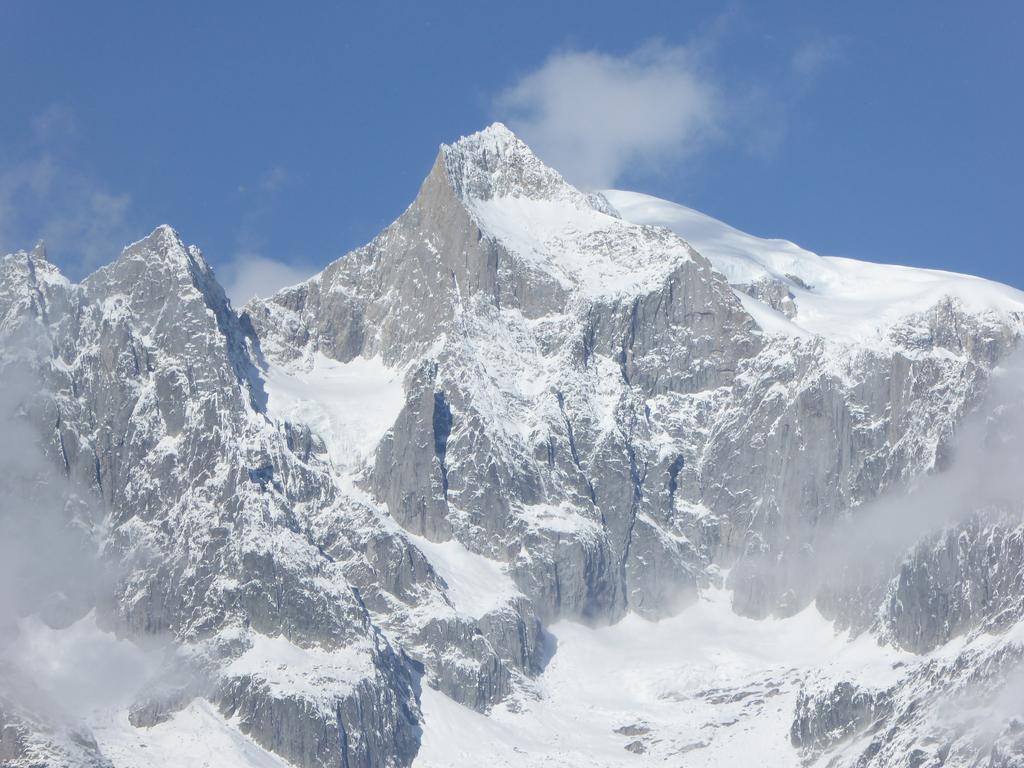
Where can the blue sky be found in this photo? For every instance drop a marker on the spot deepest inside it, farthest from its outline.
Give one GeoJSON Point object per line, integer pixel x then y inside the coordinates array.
{"type": "Point", "coordinates": [279, 136]}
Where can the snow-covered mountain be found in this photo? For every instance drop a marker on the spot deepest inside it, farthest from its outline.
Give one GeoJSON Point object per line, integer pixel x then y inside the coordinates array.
{"type": "Point", "coordinates": [536, 477]}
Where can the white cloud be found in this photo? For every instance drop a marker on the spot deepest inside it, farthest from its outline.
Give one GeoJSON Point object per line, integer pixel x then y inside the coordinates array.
{"type": "Point", "coordinates": [594, 116]}
{"type": "Point", "coordinates": [249, 275]}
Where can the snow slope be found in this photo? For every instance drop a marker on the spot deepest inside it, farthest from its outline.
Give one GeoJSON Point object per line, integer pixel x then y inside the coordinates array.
{"type": "Point", "coordinates": [476, 584]}
{"type": "Point", "coordinates": [312, 674]}
{"type": "Point", "coordinates": [705, 689]}
{"type": "Point", "coordinates": [559, 237]}
{"type": "Point", "coordinates": [349, 405]}
{"type": "Point", "coordinates": [196, 737]}
{"type": "Point", "coordinates": [550, 225]}
{"type": "Point", "coordinates": [707, 684]}
{"type": "Point", "coordinates": [843, 299]}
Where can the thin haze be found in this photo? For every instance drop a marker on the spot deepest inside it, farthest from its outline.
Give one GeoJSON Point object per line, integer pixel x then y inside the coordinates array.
{"type": "Point", "coordinates": [981, 474]}
{"type": "Point", "coordinates": [55, 663]}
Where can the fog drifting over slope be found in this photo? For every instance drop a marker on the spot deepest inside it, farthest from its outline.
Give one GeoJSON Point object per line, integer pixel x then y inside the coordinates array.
{"type": "Point", "coordinates": [981, 471]}
{"type": "Point", "coordinates": [56, 664]}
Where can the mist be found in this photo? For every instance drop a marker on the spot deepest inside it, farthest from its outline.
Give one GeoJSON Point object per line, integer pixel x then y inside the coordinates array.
{"type": "Point", "coordinates": [981, 478]}
{"type": "Point", "coordinates": [982, 471]}
{"type": "Point", "coordinates": [48, 562]}
{"type": "Point", "coordinates": [57, 665]}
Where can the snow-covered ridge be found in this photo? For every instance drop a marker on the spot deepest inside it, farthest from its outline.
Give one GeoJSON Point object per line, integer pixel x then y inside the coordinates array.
{"type": "Point", "coordinates": [840, 298]}
{"type": "Point", "coordinates": [575, 238]}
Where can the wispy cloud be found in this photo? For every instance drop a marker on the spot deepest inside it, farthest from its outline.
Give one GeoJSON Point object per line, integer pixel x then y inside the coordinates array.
{"type": "Point", "coordinates": [44, 195]}
{"type": "Point", "coordinates": [978, 476]}
{"type": "Point", "coordinates": [594, 116]}
{"type": "Point", "coordinates": [55, 124]}
{"type": "Point", "coordinates": [270, 181]}
{"type": "Point", "coordinates": [251, 275]}
{"type": "Point", "coordinates": [980, 473]}
{"type": "Point", "coordinates": [813, 57]}
{"type": "Point", "coordinates": [599, 117]}
{"type": "Point", "coordinates": [55, 664]}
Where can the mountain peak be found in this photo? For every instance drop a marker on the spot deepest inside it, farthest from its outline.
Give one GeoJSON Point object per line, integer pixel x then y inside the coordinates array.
{"type": "Point", "coordinates": [548, 226]}
{"type": "Point", "coordinates": [496, 132]}
{"type": "Point", "coordinates": [164, 236]}
{"type": "Point", "coordinates": [495, 162]}
{"type": "Point", "coordinates": [161, 252]}
{"type": "Point", "coordinates": [163, 244]}
{"type": "Point", "coordinates": [497, 137]}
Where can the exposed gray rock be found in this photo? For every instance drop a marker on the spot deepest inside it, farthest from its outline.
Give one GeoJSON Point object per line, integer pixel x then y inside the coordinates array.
{"type": "Point", "coordinates": [825, 719]}
{"type": "Point", "coordinates": [968, 576]}
{"type": "Point", "coordinates": [371, 728]}
{"type": "Point", "coordinates": [946, 712]}
{"type": "Point", "coordinates": [775, 294]}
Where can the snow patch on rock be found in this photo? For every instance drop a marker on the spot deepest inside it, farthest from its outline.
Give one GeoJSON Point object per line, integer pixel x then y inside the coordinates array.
{"type": "Point", "coordinates": [349, 405]}
{"type": "Point", "coordinates": [476, 584]}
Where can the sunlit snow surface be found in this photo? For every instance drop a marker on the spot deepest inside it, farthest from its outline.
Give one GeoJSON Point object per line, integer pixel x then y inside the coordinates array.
{"type": "Point", "coordinates": [580, 247]}
{"type": "Point", "coordinates": [708, 684]}
{"type": "Point", "coordinates": [196, 737]}
{"type": "Point", "coordinates": [476, 584]}
{"type": "Point", "coordinates": [348, 405]}
{"type": "Point", "coordinates": [310, 673]}
{"type": "Point", "coordinates": [844, 299]}
{"type": "Point", "coordinates": [705, 689]}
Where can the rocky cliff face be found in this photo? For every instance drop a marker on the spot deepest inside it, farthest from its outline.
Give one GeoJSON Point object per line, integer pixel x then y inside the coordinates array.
{"type": "Point", "coordinates": [513, 407]}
